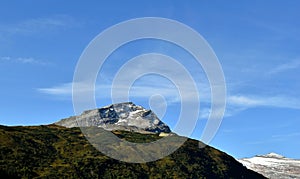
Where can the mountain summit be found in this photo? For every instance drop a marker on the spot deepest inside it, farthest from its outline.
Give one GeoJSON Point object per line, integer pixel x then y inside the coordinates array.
{"type": "Point", "coordinates": [273, 165]}
{"type": "Point", "coordinates": [122, 116]}
{"type": "Point", "coordinates": [272, 155]}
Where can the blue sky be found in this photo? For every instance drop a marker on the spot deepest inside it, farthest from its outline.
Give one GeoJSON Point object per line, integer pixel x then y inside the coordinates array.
{"type": "Point", "coordinates": [257, 44]}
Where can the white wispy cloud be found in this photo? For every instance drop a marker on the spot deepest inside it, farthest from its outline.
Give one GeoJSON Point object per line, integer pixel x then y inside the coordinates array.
{"type": "Point", "coordinates": [276, 138]}
{"type": "Point", "coordinates": [24, 60]}
{"type": "Point", "coordinates": [34, 25]}
{"type": "Point", "coordinates": [235, 103]}
{"type": "Point", "coordinates": [144, 89]}
{"type": "Point", "coordinates": [59, 90]}
{"type": "Point", "coordinates": [139, 91]}
{"type": "Point", "coordinates": [286, 135]}
{"type": "Point", "coordinates": [146, 86]}
{"type": "Point", "coordinates": [286, 66]}
{"type": "Point", "coordinates": [266, 101]}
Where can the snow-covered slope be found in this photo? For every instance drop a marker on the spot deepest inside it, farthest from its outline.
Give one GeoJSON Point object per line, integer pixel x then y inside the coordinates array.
{"type": "Point", "coordinates": [273, 165]}
{"type": "Point", "coordinates": [121, 116]}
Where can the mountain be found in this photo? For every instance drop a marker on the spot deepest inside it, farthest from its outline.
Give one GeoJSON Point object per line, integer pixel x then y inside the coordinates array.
{"type": "Point", "coordinates": [273, 165]}
{"type": "Point", "coordinates": [61, 150]}
{"type": "Point", "coordinates": [122, 116]}
{"type": "Point", "coordinates": [53, 151]}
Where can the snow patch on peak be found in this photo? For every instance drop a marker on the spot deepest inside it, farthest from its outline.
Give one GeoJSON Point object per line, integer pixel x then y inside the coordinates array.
{"type": "Point", "coordinates": [273, 165]}
{"type": "Point", "coordinates": [120, 116]}
{"type": "Point", "coordinates": [273, 155]}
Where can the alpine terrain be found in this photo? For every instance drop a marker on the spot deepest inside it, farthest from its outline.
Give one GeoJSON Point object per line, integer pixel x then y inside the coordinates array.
{"type": "Point", "coordinates": [273, 166]}
{"type": "Point", "coordinates": [61, 150]}
{"type": "Point", "coordinates": [122, 116]}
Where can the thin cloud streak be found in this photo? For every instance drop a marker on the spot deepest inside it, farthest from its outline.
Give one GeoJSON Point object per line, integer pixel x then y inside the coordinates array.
{"type": "Point", "coordinates": [275, 138]}
{"type": "Point", "coordinates": [284, 136]}
{"type": "Point", "coordinates": [140, 91]}
{"type": "Point", "coordinates": [24, 60]}
{"type": "Point", "coordinates": [235, 103]}
{"type": "Point", "coordinates": [259, 101]}
{"type": "Point", "coordinates": [285, 67]}
{"type": "Point", "coordinates": [34, 25]}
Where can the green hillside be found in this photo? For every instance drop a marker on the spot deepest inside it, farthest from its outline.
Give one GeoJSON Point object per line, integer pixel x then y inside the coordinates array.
{"type": "Point", "coordinates": [57, 152]}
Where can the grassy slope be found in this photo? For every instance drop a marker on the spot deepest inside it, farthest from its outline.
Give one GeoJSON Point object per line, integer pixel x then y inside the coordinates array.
{"type": "Point", "coordinates": [58, 152]}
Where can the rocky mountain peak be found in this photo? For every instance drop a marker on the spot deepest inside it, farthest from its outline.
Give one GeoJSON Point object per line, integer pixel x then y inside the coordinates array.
{"type": "Point", "coordinates": [273, 165]}
{"type": "Point", "coordinates": [273, 155]}
{"type": "Point", "coordinates": [121, 116]}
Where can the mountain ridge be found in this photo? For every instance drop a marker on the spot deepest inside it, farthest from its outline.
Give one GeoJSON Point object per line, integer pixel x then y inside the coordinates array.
{"type": "Point", "coordinates": [121, 116]}
{"type": "Point", "coordinates": [62, 150]}
{"type": "Point", "coordinates": [52, 151]}
{"type": "Point", "coordinates": [273, 165]}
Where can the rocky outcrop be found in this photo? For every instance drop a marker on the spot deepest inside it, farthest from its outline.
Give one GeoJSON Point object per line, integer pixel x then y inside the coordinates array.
{"type": "Point", "coordinates": [122, 116]}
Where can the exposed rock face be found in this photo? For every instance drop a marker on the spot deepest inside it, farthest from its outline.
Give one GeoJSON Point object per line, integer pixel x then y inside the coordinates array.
{"type": "Point", "coordinates": [273, 165]}
{"type": "Point", "coordinates": [122, 116]}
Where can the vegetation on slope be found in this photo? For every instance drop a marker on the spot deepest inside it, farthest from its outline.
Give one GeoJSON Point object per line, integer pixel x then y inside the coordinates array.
{"type": "Point", "coordinates": [58, 152]}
